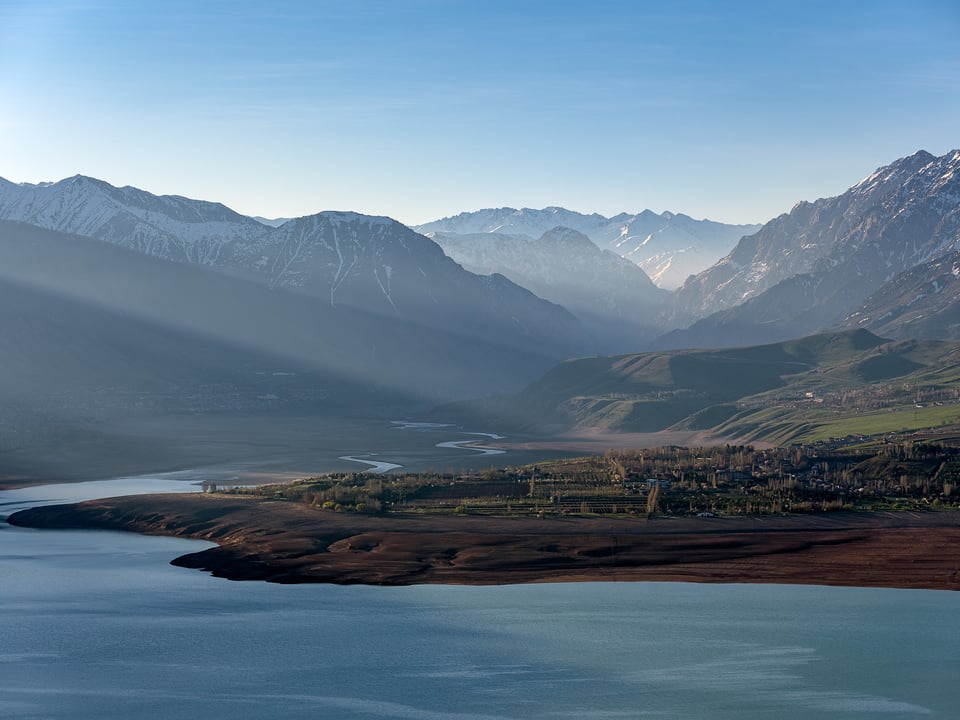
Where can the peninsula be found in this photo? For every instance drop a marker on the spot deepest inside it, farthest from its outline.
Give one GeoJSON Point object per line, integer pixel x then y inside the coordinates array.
{"type": "Point", "coordinates": [277, 541]}
{"type": "Point", "coordinates": [882, 514]}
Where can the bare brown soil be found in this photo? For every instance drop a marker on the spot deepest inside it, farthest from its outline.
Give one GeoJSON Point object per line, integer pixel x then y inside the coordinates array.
{"type": "Point", "coordinates": [289, 543]}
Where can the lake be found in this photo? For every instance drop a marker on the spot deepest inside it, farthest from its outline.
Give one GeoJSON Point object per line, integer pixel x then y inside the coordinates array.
{"type": "Point", "coordinates": [98, 625]}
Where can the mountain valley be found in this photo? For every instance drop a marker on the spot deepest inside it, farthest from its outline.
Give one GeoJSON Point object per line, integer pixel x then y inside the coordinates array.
{"type": "Point", "coordinates": [613, 298]}
{"type": "Point", "coordinates": [122, 306]}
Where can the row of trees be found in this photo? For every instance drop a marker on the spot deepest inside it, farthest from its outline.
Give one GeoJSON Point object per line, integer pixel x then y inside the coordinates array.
{"type": "Point", "coordinates": [731, 479]}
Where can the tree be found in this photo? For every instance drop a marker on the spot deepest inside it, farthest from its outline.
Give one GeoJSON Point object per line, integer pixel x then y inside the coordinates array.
{"type": "Point", "coordinates": [652, 498]}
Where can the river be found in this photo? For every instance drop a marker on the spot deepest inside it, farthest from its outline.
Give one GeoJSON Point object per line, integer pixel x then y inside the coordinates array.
{"type": "Point", "coordinates": [98, 625]}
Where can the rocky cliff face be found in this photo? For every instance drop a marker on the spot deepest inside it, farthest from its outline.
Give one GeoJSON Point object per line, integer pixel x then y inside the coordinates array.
{"type": "Point", "coordinates": [810, 268]}
{"type": "Point", "coordinates": [919, 303]}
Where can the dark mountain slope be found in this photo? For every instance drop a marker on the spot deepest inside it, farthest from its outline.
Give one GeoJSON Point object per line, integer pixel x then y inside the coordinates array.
{"type": "Point", "coordinates": [771, 391]}
{"type": "Point", "coordinates": [923, 302]}
{"type": "Point", "coordinates": [354, 346]}
{"type": "Point", "coordinates": [370, 264]}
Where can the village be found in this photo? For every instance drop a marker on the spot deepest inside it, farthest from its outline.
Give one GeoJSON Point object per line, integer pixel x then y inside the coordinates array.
{"type": "Point", "coordinates": [716, 481]}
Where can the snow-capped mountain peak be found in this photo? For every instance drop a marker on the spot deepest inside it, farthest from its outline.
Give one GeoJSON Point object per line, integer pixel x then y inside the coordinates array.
{"type": "Point", "coordinates": [828, 255]}
{"type": "Point", "coordinates": [343, 259]}
{"type": "Point", "coordinates": [667, 246]}
{"type": "Point", "coordinates": [169, 226]}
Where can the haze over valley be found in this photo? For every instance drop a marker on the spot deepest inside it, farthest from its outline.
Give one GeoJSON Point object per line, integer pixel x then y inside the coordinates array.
{"type": "Point", "coordinates": [120, 305]}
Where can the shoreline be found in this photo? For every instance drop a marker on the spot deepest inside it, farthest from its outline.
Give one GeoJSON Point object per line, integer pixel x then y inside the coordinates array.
{"type": "Point", "coordinates": [284, 542]}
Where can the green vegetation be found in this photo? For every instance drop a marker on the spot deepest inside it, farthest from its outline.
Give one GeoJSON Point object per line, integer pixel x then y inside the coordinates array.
{"type": "Point", "coordinates": [862, 474]}
{"type": "Point", "coordinates": [855, 423]}
{"type": "Point", "coordinates": [814, 388]}
{"type": "Point", "coordinates": [786, 424]}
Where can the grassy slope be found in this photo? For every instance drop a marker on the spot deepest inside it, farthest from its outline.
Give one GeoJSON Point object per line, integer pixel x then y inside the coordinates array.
{"type": "Point", "coordinates": [789, 425]}
{"type": "Point", "coordinates": [758, 392]}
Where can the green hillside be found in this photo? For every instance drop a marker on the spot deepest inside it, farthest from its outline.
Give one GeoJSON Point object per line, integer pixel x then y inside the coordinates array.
{"type": "Point", "coordinates": [827, 385]}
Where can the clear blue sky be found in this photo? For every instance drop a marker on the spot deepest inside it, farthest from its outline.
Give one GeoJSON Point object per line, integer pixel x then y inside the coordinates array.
{"type": "Point", "coordinates": [422, 108]}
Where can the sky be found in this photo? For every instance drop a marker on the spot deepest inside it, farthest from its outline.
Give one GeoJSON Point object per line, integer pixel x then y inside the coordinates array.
{"type": "Point", "coordinates": [420, 109]}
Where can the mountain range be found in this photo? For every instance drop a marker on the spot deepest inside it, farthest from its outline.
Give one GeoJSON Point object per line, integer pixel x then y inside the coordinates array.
{"type": "Point", "coordinates": [369, 267]}
{"type": "Point", "coordinates": [120, 307]}
{"type": "Point", "coordinates": [815, 266]}
{"type": "Point", "coordinates": [371, 263]}
{"type": "Point", "coordinates": [120, 303]}
{"type": "Point", "coordinates": [669, 247]}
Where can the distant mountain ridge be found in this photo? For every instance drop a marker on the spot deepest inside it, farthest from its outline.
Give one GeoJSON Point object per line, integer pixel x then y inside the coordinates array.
{"type": "Point", "coordinates": [614, 298]}
{"type": "Point", "coordinates": [271, 222]}
{"type": "Point", "coordinates": [372, 264]}
{"type": "Point", "coordinates": [667, 246]}
{"type": "Point", "coordinates": [170, 227]}
{"type": "Point", "coordinates": [810, 268]}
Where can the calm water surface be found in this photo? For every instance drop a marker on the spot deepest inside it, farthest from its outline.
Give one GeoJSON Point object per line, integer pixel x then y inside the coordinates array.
{"type": "Point", "coordinates": [98, 625]}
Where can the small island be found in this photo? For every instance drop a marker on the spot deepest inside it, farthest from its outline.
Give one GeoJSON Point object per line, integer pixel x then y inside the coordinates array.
{"type": "Point", "coordinates": [862, 512]}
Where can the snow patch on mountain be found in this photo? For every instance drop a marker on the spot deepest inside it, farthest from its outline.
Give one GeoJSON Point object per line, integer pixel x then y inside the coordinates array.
{"type": "Point", "coordinates": [371, 264]}
{"type": "Point", "coordinates": [667, 246]}
{"type": "Point", "coordinates": [170, 227]}
{"type": "Point", "coordinates": [900, 216]}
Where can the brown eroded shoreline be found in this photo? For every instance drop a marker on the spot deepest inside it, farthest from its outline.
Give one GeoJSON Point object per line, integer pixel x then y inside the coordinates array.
{"type": "Point", "coordinates": [289, 543]}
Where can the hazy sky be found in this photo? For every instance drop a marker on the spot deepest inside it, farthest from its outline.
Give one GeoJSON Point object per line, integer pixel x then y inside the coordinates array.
{"type": "Point", "coordinates": [423, 108]}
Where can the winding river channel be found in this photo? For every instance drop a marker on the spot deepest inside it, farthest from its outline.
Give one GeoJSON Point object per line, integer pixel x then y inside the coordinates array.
{"type": "Point", "coordinates": [97, 624]}
{"type": "Point", "coordinates": [470, 445]}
